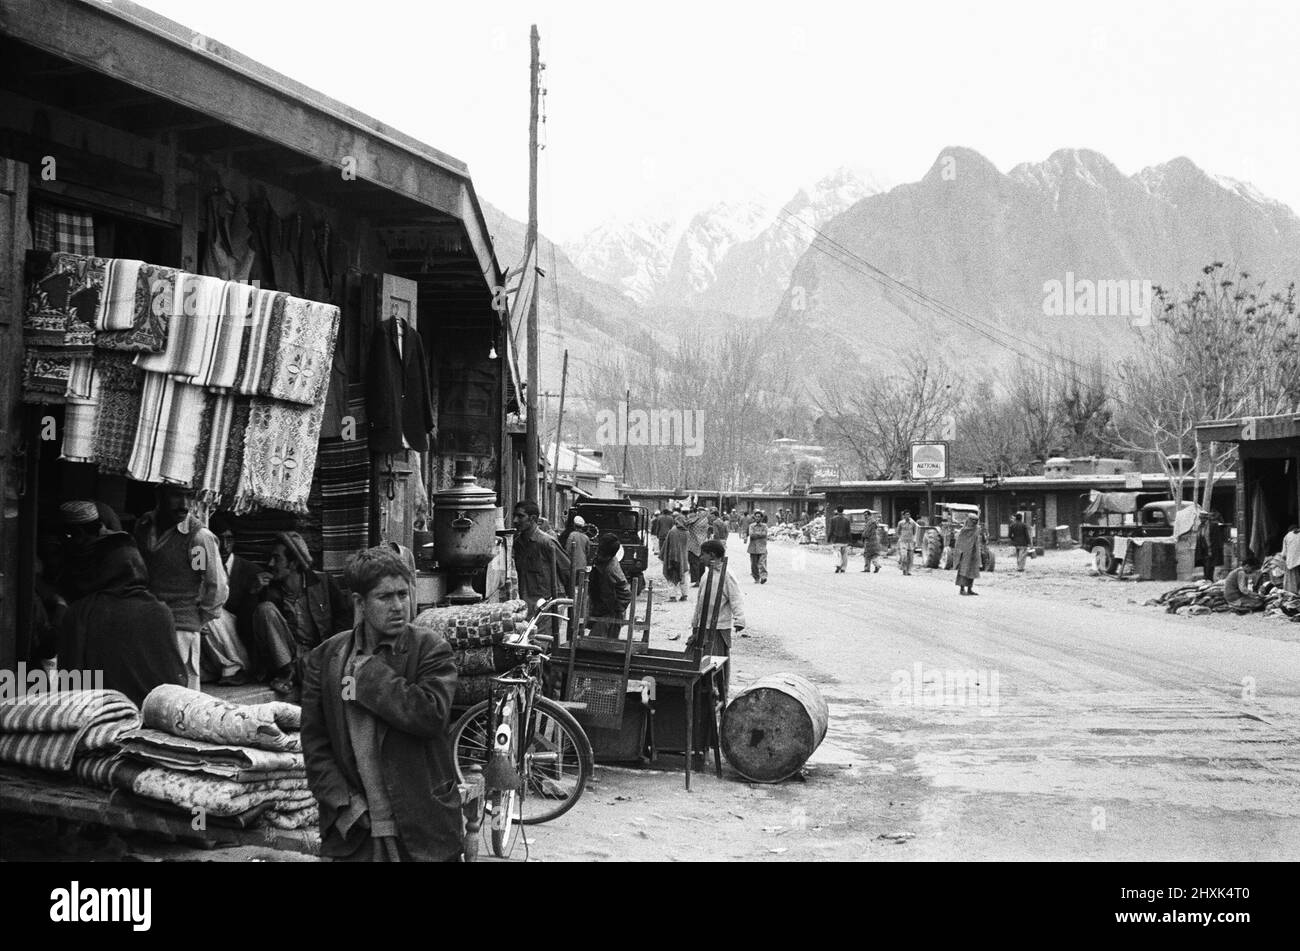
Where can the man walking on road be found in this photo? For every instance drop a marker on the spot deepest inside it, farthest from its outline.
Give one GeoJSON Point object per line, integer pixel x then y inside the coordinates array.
{"type": "Point", "coordinates": [719, 527]}
{"type": "Point", "coordinates": [906, 541]}
{"type": "Point", "coordinates": [871, 545]}
{"type": "Point", "coordinates": [758, 548]}
{"type": "Point", "coordinates": [838, 535]}
{"type": "Point", "coordinates": [966, 549]}
{"type": "Point", "coordinates": [1019, 533]}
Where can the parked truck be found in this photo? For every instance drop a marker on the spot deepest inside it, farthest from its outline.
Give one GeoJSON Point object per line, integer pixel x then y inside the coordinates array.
{"type": "Point", "coordinates": [1151, 520]}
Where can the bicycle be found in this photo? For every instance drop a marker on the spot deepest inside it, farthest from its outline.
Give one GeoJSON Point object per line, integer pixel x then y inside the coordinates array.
{"type": "Point", "coordinates": [531, 775]}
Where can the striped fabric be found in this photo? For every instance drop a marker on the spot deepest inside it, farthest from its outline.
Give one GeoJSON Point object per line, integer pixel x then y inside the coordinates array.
{"type": "Point", "coordinates": [220, 365]}
{"type": "Point", "coordinates": [106, 769]}
{"type": "Point", "coordinates": [48, 730]}
{"type": "Point", "coordinates": [220, 416]}
{"type": "Point", "coordinates": [300, 352]}
{"type": "Point", "coordinates": [252, 355]}
{"type": "Point", "coordinates": [117, 301]}
{"type": "Point", "coordinates": [155, 296]}
{"type": "Point", "coordinates": [80, 423]}
{"type": "Point", "coordinates": [167, 434]}
{"type": "Point", "coordinates": [343, 473]}
{"type": "Point", "coordinates": [81, 378]}
{"type": "Point", "coordinates": [191, 332]}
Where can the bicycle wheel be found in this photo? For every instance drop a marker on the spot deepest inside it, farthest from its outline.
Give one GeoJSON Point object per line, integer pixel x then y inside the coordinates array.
{"type": "Point", "coordinates": [558, 762]}
{"type": "Point", "coordinates": [504, 805]}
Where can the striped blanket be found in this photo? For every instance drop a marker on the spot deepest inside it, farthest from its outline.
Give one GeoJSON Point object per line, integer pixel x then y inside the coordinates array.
{"type": "Point", "coordinates": [214, 435]}
{"type": "Point", "coordinates": [151, 310]}
{"type": "Point", "coordinates": [266, 309]}
{"type": "Point", "coordinates": [343, 472]}
{"type": "Point", "coordinates": [194, 715]}
{"type": "Point", "coordinates": [107, 769]}
{"type": "Point", "coordinates": [80, 422]}
{"type": "Point", "coordinates": [280, 444]}
{"type": "Point", "coordinates": [117, 302]}
{"type": "Point", "coordinates": [300, 352]}
{"type": "Point", "coordinates": [191, 331]}
{"type": "Point", "coordinates": [167, 433]}
{"type": "Point", "coordinates": [121, 386]}
{"type": "Point", "coordinates": [48, 730]}
{"type": "Point", "coordinates": [220, 362]}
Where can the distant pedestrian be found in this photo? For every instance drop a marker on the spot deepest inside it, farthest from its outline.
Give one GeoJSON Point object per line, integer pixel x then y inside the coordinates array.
{"type": "Point", "coordinates": [1019, 534]}
{"type": "Point", "coordinates": [720, 530]}
{"type": "Point", "coordinates": [758, 548]}
{"type": "Point", "coordinates": [1291, 556]}
{"type": "Point", "coordinates": [662, 524]}
{"type": "Point", "coordinates": [746, 520]}
{"type": "Point", "coordinates": [966, 550]}
{"type": "Point", "coordinates": [676, 560]}
{"type": "Point", "coordinates": [871, 545]}
{"type": "Point", "coordinates": [838, 535]}
{"type": "Point", "coordinates": [907, 529]}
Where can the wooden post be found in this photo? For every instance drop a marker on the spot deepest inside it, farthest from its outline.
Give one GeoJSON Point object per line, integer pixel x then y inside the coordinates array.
{"type": "Point", "coordinates": [530, 446]}
{"type": "Point", "coordinates": [627, 408]}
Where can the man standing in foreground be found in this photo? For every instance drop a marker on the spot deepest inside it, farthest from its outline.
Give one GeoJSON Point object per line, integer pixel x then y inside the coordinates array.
{"type": "Point", "coordinates": [185, 570]}
{"type": "Point", "coordinates": [907, 529]}
{"type": "Point", "coordinates": [542, 566]}
{"type": "Point", "coordinates": [838, 535]}
{"type": "Point", "coordinates": [1019, 534]}
{"type": "Point", "coordinates": [716, 640]}
{"type": "Point", "coordinates": [376, 708]}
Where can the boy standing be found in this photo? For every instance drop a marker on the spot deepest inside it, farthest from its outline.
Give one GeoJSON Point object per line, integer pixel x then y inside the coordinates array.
{"type": "Point", "coordinates": [716, 640]}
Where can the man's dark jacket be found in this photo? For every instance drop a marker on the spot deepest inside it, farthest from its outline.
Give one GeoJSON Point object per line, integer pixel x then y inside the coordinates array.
{"type": "Point", "coordinates": [243, 596]}
{"type": "Point", "coordinates": [409, 690]}
{"type": "Point", "coordinates": [397, 391]}
{"type": "Point", "coordinates": [1018, 534]}
{"type": "Point", "coordinates": [838, 531]}
{"type": "Point", "coordinates": [329, 607]}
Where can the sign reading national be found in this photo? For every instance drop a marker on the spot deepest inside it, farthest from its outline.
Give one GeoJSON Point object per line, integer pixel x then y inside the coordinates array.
{"type": "Point", "coordinates": [929, 461]}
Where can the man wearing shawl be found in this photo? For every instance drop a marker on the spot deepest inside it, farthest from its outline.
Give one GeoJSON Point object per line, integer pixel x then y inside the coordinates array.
{"type": "Point", "coordinates": [676, 559]}
{"type": "Point", "coordinates": [966, 551]}
{"type": "Point", "coordinates": [871, 545]}
{"type": "Point", "coordinates": [119, 627]}
{"type": "Point", "coordinates": [697, 528]}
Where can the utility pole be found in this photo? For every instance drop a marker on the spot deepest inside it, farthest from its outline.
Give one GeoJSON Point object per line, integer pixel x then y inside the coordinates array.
{"type": "Point", "coordinates": [627, 406]}
{"type": "Point", "coordinates": [559, 431]}
{"type": "Point", "coordinates": [530, 436]}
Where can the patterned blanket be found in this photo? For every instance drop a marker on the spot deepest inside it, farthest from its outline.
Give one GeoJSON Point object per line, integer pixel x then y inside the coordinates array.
{"type": "Point", "coordinates": [280, 444]}
{"type": "Point", "coordinates": [151, 310]}
{"type": "Point", "coordinates": [48, 730]}
{"type": "Point", "coordinates": [218, 796]}
{"type": "Point", "coordinates": [107, 769]}
{"type": "Point", "coordinates": [221, 760]}
{"type": "Point", "coordinates": [215, 442]}
{"type": "Point", "coordinates": [62, 301]}
{"type": "Point", "coordinates": [45, 374]}
{"type": "Point", "coordinates": [475, 625]}
{"type": "Point", "coordinates": [300, 351]}
{"type": "Point", "coordinates": [121, 386]}
{"type": "Point", "coordinates": [187, 713]}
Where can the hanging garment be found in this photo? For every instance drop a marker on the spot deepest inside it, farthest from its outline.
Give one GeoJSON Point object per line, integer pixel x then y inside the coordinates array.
{"type": "Point", "coordinates": [300, 351]}
{"type": "Point", "coordinates": [56, 229]}
{"type": "Point", "coordinates": [81, 376]}
{"type": "Point", "coordinates": [117, 301]}
{"type": "Point", "coordinates": [62, 301]}
{"type": "Point", "coordinates": [80, 420]}
{"type": "Point", "coordinates": [225, 256]}
{"type": "Point", "coordinates": [280, 445]}
{"type": "Point", "coordinates": [167, 436]}
{"type": "Point", "coordinates": [398, 401]}
{"type": "Point", "coordinates": [266, 310]}
{"type": "Point", "coordinates": [343, 471]}
{"type": "Point", "coordinates": [220, 366]}
{"type": "Point", "coordinates": [191, 332]}
{"type": "Point", "coordinates": [155, 294]}
{"type": "Point", "coordinates": [121, 386]}
{"type": "Point", "coordinates": [215, 439]}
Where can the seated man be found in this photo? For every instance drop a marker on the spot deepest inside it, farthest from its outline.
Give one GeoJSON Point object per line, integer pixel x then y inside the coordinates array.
{"type": "Point", "coordinates": [1238, 586]}
{"type": "Point", "coordinates": [300, 608]}
{"type": "Point", "coordinates": [119, 626]}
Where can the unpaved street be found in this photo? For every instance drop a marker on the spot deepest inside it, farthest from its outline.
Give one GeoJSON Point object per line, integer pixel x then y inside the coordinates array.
{"type": "Point", "coordinates": [1094, 727]}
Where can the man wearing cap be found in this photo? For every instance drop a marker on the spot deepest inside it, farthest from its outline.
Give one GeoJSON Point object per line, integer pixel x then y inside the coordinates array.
{"type": "Point", "coordinates": [185, 570]}
{"type": "Point", "coordinates": [578, 546]}
{"type": "Point", "coordinates": [300, 608]}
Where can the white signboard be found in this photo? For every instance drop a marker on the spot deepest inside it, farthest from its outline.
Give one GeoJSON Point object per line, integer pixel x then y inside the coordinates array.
{"type": "Point", "coordinates": [929, 461]}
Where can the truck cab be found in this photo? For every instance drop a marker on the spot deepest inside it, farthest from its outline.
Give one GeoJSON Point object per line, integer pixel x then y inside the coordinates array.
{"type": "Point", "coordinates": [1151, 520]}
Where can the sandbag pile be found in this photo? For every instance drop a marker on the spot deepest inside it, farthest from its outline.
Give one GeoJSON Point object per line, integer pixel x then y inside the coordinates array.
{"type": "Point", "coordinates": [53, 730]}
{"type": "Point", "coordinates": [240, 764]}
{"type": "Point", "coordinates": [475, 633]}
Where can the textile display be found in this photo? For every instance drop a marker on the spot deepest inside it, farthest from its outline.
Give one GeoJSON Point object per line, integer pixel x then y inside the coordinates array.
{"type": "Point", "coordinates": [117, 300]}
{"type": "Point", "coordinates": [215, 439]}
{"type": "Point", "coordinates": [167, 434]}
{"type": "Point", "coordinates": [46, 371]}
{"type": "Point", "coordinates": [125, 794]}
{"type": "Point", "coordinates": [308, 817]}
{"type": "Point", "coordinates": [343, 472]}
{"type": "Point", "coordinates": [189, 713]}
{"type": "Point", "coordinates": [233, 470]}
{"type": "Point", "coordinates": [81, 375]}
{"type": "Point", "coordinates": [280, 444]}
{"type": "Point", "coordinates": [220, 797]}
{"type": "Point", "coordinates": [48, 730]}
{"type": "Point", "coordinates": [300, 352]}
{"type": "Point", "coordinates": [106, 769]}
{"type": "Point", "coordinates": [475, 625]}
{"type": "Point", "coordinates": [155, 296]}
{"type": "Point", "coordinates": [191, 331]}
{"type": "Point", "coordinates": [222, 760]}
{"type": "Point", "coordinates": [62, 301]}
{"type": "Point", "coordinates": [57, 229]}
{"type": "Point", "coordinates": [121, 387]}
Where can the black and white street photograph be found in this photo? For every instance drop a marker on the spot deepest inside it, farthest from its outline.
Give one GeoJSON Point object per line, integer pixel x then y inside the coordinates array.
{"type": "Point", "coordinates": [572, 432]}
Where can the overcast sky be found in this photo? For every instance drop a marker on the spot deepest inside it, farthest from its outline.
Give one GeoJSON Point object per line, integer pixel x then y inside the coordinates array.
{"type": "Point", "coordinates": [667, 106]}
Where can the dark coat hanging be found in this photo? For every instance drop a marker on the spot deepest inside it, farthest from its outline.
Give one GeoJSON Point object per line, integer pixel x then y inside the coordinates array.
{"type": "Point", "coordinates": [398, 401]}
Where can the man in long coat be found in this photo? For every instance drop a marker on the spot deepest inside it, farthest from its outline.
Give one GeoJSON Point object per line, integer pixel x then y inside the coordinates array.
{"type": "Point", "coordinates": [542, 566]}
{"type": "Point", "coordinates": [966, 550]}
{"type": "Point", "coordinates": [677, 560]}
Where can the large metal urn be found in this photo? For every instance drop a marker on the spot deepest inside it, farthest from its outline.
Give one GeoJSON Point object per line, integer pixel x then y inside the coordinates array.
{"type": "Point", "coordinates": [464, 532]}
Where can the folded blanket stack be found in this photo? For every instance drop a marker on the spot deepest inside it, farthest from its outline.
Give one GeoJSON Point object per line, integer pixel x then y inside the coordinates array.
{"type": "Point", "coordinates": [241, 762]}
{"type": "Point", "coordinates": [51, 730]}
{"type": "Point", "coordinates": [475, 633]}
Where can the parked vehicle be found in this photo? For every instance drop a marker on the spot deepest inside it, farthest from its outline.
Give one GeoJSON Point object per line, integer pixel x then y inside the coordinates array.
{"type": "Point", "coordinates": [1152, 520]}
{"type": "Point", "coordinates": [630, 523]}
